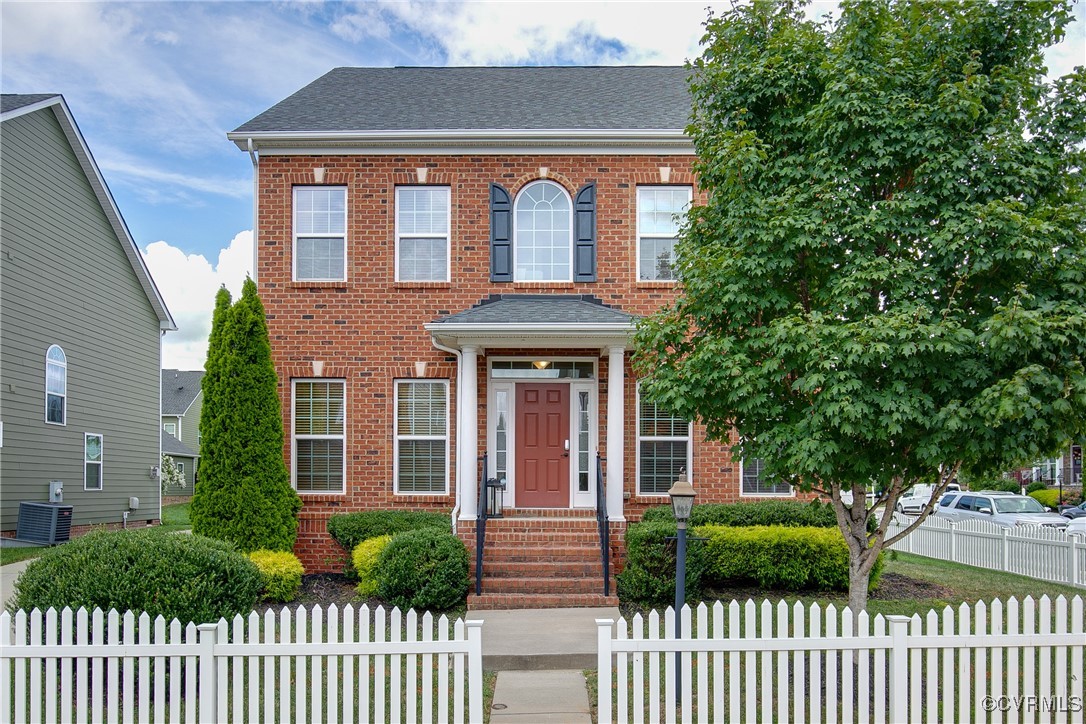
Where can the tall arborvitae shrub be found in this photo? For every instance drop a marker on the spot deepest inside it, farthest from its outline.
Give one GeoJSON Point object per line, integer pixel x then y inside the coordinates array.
{"type": "Point", "coordinates": [244, 494]}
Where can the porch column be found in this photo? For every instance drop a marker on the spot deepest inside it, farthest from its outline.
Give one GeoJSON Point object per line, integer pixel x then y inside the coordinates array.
{"type": "Point", "coordinates": [616, 390]}
{"type": "Point", "coordinates": [468, 434]}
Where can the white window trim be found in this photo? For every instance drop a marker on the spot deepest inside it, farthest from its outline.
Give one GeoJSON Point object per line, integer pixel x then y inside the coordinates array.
{"type": "Point", "coordinates": [294, 231]}
{"type": "Point", "coordinates": [166, 428]}
{"type": "Point", "coordinates": [744, 494]}
{"type": "Point", "coordinates": [294, 437]}
{"type": "Point", "coordinates": [448, 232]}
{"type": "Point", "coordinates": [516, 232]}
{"type": "Point", "coordinates": [658, 438]}
{"type": "Point", "coordinates": [180, 466]}
{"type": "Point", "coordinates": [64, 366]}
{"type": "Point", "coordinates": [396, 437]}
{"type": "Point", "coordinates": [637, 223]}
{"type": "Point", "coordinates": [101, 463]}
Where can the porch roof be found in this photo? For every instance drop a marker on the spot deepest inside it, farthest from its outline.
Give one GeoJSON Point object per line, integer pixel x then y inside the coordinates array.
{"type": "Point", "coordinates": [531, 320]}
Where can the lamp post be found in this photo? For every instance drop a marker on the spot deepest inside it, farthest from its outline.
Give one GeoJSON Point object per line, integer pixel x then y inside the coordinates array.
{"type": "Point", "coordinates": [682, 501]}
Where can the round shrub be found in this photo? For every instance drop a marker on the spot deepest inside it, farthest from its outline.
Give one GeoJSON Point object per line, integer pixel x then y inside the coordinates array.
{"type": "Point", "coordinates": [779, 557]}
{"type": "Point", "coordinates": [187, 577]}
{"type": "Point", "coordinates": [423, 569]}
{"type": "Point", "coordinates": [364, 557]}
{"type": "Point", "coordinates": [1048, 497]}
{"type": "Point", "coordinates": [350, 529]}
{"type": "Point", "coordinates": [649, 575]}
{"type": "Point", "coordinates": [1034, 487]}
{"type": "Point", "coordinates": [282, 574]}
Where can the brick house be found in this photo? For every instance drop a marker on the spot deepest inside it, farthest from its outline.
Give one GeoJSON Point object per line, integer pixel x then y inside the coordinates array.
{"type": "Point", "coordinates": [444, 250]}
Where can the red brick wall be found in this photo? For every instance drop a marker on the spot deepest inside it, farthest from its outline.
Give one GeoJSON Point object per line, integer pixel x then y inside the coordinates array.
{"type": "Point", "coordinates": [369, 330]}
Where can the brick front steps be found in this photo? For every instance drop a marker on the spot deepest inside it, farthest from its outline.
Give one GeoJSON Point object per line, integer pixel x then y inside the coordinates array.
{"type": "Point", "coordinates": [541, 559]}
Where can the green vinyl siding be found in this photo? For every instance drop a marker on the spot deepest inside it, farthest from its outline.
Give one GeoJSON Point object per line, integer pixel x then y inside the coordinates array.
{"type": "Point", "coordinates": [65, 280]}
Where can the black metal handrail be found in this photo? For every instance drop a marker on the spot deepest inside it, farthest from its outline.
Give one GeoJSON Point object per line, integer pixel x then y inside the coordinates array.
{"type": "Point", "coordinates": [602, 521]}
{"type": "Point", "coordinates": [480, 529]}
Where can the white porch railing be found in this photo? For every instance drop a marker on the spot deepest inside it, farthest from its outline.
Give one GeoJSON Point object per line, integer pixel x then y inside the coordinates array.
{"type": "Point", "coordinates": [997, 662]}
{"type": "Point", "coordinates": [294, 666]}
{"type": "Point", "coordinates": [1038, 552]}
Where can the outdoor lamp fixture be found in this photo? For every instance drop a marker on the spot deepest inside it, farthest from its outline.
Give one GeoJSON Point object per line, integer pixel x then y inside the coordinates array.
{"type": "Point", "coordinates": [541, 364]}
{"type": "Point", "coordinates": [153, 473]}
{"type": "Point", "coordinates": [682, 502]}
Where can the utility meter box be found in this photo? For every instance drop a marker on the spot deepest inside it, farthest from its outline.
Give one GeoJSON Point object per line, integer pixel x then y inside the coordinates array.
{"type": "Point", "coordinates": [56, 491]}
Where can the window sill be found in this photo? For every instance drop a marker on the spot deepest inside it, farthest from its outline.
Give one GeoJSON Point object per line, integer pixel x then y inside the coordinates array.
{"type": "Point", "coordinates": [657, 283]}
{"type": "Point", "coordinates": [422, 285]}
{"type": "Point", "coordinates": [424, 497]}
{"type": "Point", "coordinates": [321, 497]}
{"type": "Point", "coordinates": [318, 285]}
{"type": "Point", "coordinates": [544, 285]}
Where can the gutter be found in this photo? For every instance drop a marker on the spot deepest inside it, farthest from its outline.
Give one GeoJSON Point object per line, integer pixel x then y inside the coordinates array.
{"type": "Point", "coordinates": [254, 156]}
{"type": "Point", "coordinates": [459, 426]}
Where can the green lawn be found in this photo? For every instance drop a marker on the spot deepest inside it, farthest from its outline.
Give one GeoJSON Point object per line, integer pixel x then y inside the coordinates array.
{"type": "Point", "coordinates": [175, 517]}
{"type": "Point", "coordinates": [14, 555]}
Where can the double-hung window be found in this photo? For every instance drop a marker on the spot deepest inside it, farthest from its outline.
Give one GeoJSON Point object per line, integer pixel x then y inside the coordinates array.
{"type": "Point", "coordinates": [422, 233]}
{"type": "Point", "coordinates": [56, 386]}
{"type": "Point", "coordinates": [659, 214]}
{"type": "Point", "coordinates": [422, 436]}
{"type": "Point", "coordinates": [543, 224]}
{"type": "Point", "coordinates": [171, 428]}
{"type": "Point", "coordinates": [663, 448]}
{"type": "Point", "coordinates": [319, 436]}
{"type": "Point", "coordinates": [320, 233]}
{"type": "Point", "coordinates": [92, 461]}
{"type": "Point", "coordinates": [756, 482]}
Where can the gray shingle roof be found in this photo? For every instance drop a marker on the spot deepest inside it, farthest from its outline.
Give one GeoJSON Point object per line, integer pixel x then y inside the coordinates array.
{"type": "Point", "coordinates": [179, 389]}
{"type": "Point", "coordinates": [539, 309]}
{"type": "Point", "coordinates": [519, 98]}
{"type": "Point", "coordinates": [172, 446]}
{"type": "Point", "coordinates": [15, 101]}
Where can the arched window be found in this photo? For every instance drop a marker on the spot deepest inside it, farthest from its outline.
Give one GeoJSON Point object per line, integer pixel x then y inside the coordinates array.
{"type": "Point", "coordinates": [543, 228]}
{"type": "Point", "coordinates": [56, 386]}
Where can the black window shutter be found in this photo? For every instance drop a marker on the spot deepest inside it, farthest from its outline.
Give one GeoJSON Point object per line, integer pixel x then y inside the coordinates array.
{"type": "Point", "coordinates": [584, 234]}
{"type": "Point", "coordinates": [501, 235]}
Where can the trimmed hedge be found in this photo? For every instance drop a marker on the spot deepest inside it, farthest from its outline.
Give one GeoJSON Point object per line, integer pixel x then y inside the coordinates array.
{"type": "Point", "coordinates": [423, 569]}
{"type": "Point", "coordinates": [762, 512]}
{"type": "Point", "coordinates": [1048, 497]}
{"type": "Point", "coordinates": [779, 557]}
{"type": "Point", "coordinates": [350, 529]}
{"type": "Point", "coordinates": [282, 573]}
{"type": "Point", "coordinates": [187, 577]}
{"type": "Point", "coordinates": [365, 556]}
{"type": "Point", "coordinates": [1034, 487]}
{"type": "Point", "coordinates": [649, 575]}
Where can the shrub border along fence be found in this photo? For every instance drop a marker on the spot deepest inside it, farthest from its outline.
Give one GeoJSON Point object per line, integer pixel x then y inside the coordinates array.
{"type": "Point", "coordinates": [957, 665]}
{"type": "Point", "coordinates": [1047, 554]}
{"type": "Point", "coordinates": [113, 668]}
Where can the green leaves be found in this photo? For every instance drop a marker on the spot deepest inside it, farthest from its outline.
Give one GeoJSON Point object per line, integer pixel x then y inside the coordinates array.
{"type": "Point", "coordinates": [243, 494]}
{"type": "Point", "coordinates": [889, 275]}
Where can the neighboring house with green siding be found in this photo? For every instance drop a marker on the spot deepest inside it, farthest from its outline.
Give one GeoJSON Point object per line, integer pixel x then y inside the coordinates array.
{"type": "Point", "coordinates": [81, 323]}
{"type": "Point", "coordinates": [182, 403]}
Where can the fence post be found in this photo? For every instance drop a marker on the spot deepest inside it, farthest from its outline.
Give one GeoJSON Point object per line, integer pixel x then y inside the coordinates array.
{"type": "Point", "coordinates": [603, 668]}
{"type": "Point", "coordinates": [1072, 553]}
{"type": "Point", "coordinates": [953, 545]}
{"type": "Point", "coordinates": [475, 671]}
{"type": "Point", "coordinates": [1004, 534]}
{"type": "Point", "coordinates": [899, 668]}
{"type": "Point", "coordinates": [208, 679]}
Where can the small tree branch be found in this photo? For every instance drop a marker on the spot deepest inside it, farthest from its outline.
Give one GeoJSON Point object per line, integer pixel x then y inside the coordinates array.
{"type": "Point", "coordinates": [945, 479]}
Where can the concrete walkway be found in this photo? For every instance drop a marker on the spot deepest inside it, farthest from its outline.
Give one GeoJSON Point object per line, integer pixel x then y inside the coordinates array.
{"type": "Point", "coordinates": [540, 696]}
{"type": "Point", "coordinates": [8, 575]}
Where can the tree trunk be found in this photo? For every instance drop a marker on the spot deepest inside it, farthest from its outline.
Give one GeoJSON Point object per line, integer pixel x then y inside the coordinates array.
{"type": "Point", "coordinates": [859, 576]}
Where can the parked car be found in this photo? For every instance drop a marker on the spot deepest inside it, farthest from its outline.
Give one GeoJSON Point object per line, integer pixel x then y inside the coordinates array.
{"type": "Point", "coordinates": [918, 496]}
{"type": "Point", "coordinates": [1074, 511]}
{"type": "Point", "coordinates": [1077, 527]}
{"type": "Point", "coordinates": [1004, 509]}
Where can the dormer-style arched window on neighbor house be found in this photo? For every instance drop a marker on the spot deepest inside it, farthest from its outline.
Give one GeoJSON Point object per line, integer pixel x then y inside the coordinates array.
{"type": "Point", "coordinates": [56, 386]}
{"type": "Point", "coordinates": [544, 235]}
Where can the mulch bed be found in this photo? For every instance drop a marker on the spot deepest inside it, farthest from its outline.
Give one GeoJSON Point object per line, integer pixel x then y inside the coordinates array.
{"type": "Point", "coordinates": [897, 586]}
{"type": "Point", "coordinates": [322, 589]}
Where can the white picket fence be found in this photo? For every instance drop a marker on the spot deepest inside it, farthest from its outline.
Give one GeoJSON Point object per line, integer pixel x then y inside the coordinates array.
{"type": "Point", "coordinates": [1000, 662]}
{"type": "Point", "coordinates": [1045, 553]}
{"type": "Point", "coordinates": [295, 666]}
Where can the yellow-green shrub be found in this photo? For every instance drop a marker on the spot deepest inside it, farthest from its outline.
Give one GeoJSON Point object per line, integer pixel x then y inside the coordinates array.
{"type": "Point", "coordinates": [364, 557]}
{"type": "Point", "coordinates": [779, 557]}
{"type": "Point", "coordinates": [282, 573]}
{"type": "Point", "coordinates": [1049, 497]}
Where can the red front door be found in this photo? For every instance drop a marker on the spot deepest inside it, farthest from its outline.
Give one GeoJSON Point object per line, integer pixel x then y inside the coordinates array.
{"type": "Point", "coordinates": [542, 455]}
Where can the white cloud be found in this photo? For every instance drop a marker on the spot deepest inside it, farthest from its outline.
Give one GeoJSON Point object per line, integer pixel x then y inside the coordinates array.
{"type": "Point", "coordinates": [188, 283]}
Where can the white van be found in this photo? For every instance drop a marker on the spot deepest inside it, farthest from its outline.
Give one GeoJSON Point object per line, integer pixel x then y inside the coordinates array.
{"type": "Point", "coordinates": [919, 496]}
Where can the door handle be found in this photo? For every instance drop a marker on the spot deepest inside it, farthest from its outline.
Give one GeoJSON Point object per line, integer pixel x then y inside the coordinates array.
{"type": "Point", "coordinates": [566, 447]}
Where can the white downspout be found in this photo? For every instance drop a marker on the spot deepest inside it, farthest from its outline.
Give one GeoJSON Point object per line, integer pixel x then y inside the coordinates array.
{"type": "Point", "coordinates": [459, 426]}
{"type": "Point", "coordinates": [254, 156]}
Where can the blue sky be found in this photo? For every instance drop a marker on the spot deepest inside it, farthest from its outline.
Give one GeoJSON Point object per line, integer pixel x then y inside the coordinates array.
{"type": "Point", "coordinates": [155, 86]}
